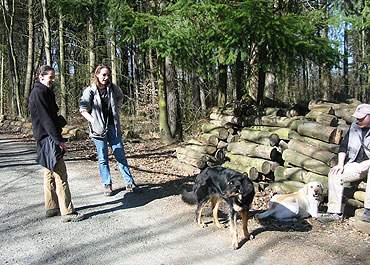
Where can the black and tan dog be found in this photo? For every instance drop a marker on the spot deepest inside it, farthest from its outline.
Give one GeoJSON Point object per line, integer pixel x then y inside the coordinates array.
{"type": "Point", "coordinates": [215, 184]}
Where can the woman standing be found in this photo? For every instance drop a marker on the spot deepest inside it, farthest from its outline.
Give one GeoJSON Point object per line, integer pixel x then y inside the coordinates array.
{"type": "Point", "coordinates": [99, 105]}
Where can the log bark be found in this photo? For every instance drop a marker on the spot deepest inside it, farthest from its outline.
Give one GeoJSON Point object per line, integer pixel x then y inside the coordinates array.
{"type": "Point", "coordinates": [225, 118]}
{"type": "Point", "coordinates": [294, 173]}
{"type": "Point", "coordinates": [286, 186]}
{"type": "Point", "coordinates": [264, 138]}
{"type": "Point", "coordinates": [208, 139]}
{"type": "Point", "coordinates": [196, 162]}
{"type": "Point", "coordinates": [221, 145]}
{"type": "Point", "coordinates": [345, 114]}
{"type": "Point", "coordinates": [359, 195]}
{"type": "Point", "coordinates": [232, 138]}
{"type": "Point", "coordinates": [205, 149]}
{"type": "Point", "coordinates": [325, 156]}
{"type": "Point", "coordinates": [306, 162]}
{"type": "Point", "coordinates": [260, 164]}
{"type": "Point", "coordinates": [322, 118]}
{"type": "Point", "coordinates": [221, 132]}
{"type": "Point", "coordinates": [322, 145]}
{"type": "Point", "coordinates": [355, 203]}
{"type": "Point", "coordinates": [283, 133]}
{"type": "Point", "coordinates": [317, 131]}
{"type": "Point", "coordinates": [186, 151]}
{"type": "Point", "coordinates": [254, 150]}
{"type": "Point", "coordinates": [252, 172]}
{"type": "Point", "coordinates": [275, 121]}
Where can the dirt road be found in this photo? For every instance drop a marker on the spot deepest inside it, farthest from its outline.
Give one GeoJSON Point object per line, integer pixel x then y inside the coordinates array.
{"type": "Point", "coordinates": [153, 227]}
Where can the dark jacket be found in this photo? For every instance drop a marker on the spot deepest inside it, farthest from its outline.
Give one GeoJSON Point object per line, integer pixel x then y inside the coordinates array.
{"type": "Point", "coordinates": [48, 153]}
{"type": "Point", "coordinates": [44, 114]}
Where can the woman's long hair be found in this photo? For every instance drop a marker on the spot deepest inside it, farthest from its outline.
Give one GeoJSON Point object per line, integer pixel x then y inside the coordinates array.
{"type": "Point", "coordinates": [94, 78]}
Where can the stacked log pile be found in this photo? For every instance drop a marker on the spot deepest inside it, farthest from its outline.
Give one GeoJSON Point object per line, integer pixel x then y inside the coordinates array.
{"type": "Point", "coordinates": [286, 152]}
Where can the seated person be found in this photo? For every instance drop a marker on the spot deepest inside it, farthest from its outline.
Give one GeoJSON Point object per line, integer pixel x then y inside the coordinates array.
{"type": "Point", "coordinates": [353, 165]}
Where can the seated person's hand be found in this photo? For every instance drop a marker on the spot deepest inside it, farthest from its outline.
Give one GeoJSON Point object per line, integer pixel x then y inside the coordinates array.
{"type": "Point", "coordinates": [336, 170]}
{"type": "Point", "coordinates": [364, 165]}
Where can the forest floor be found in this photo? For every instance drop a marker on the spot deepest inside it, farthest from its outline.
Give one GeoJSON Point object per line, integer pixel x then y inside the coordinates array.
{"type": "Point", "coordinates": [165, 228]}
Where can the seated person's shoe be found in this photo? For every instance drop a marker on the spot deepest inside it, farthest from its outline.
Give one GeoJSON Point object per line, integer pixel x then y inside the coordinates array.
{"type": "Point", "coordinates": [52, 212]}
{"type": "Point", "coordinates": [73, 217]}
{"type": "Point", "coordinates": [108, 190]}
{"type": "Point", "coordinates": [330, 217]}
{"type": "Point", "coordinates": [366, 216]}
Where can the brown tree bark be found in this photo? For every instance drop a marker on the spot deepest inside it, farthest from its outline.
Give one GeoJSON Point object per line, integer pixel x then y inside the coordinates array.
{"type": "Point", "coordinates": [306, 162]}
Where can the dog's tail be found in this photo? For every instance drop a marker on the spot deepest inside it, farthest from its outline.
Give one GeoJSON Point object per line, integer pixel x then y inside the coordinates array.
{"type": "Point", "coordinates": [189, 197]}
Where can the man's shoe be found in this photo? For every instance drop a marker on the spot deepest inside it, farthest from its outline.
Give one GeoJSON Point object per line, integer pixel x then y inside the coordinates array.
{"type": "Point", "coordinates": [366, 216]}
{"type": "Point", "coordinates": [52, 212]}
{"type": "Point", "coordinates": [73, 217]}
{"type": "Point", "coordinates": [330, 217]}
{"type": "Point", "coordinates": [108, 190]}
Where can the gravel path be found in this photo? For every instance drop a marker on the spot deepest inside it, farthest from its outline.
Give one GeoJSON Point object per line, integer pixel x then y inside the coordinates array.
{"type": "Point", "coordinates": [153, 227]}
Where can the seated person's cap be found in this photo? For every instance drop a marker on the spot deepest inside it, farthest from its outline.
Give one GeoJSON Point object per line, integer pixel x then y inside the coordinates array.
{"type": "Point", "coordinates": [361, 111]}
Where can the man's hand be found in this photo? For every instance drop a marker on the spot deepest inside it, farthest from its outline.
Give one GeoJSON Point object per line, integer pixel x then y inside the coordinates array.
{"type": "Point", "coordinates": [364, 165]}
{"type": "Point", "coordinates": [63, 147]}
{"type": "Point", "coordinates": [336, 170]}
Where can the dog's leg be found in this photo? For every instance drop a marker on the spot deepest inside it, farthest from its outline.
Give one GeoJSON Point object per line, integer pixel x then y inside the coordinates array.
{"type": "Point", "coordinates": [233, 229]}
{"type": "Point", "coordinates": [199, 216]}
{"type": "Point", "coordinates": [215, 205]}
{"type": "Point", "coordinates": [245, 217]}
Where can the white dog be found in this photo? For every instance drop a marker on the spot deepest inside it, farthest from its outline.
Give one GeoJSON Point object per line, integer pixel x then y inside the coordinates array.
{"type": "Point", "coordinates": [292, 206]}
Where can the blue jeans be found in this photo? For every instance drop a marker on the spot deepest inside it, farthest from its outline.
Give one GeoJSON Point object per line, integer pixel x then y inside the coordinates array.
{"type": "Point", "coordinates": [115, 142]}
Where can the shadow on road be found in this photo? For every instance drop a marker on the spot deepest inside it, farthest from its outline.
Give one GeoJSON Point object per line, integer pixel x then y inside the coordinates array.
{"type": "Point", "coordinates": [147, 193]}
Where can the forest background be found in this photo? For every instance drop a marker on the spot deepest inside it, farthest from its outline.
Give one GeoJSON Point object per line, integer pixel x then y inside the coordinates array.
{"type": "Point", "coordinates": [175, 60]}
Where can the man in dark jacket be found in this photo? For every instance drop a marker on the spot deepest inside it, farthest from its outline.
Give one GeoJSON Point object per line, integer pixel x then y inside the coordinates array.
{"type": "Point", "coordinates": [47, 130]}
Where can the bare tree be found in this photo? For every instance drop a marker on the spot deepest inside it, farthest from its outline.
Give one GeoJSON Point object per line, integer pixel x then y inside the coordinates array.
{"type": "Point", "coordinates": [46, 32]}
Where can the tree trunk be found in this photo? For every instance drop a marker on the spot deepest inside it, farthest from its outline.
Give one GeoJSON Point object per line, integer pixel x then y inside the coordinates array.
{"type": "Point", "coordinates": [8, 18]}
{"type": "Point", "coordinates": [162, 98]}
{"type": "Point", "coordinates": [46, 32]}
{"type": "Point", "coordinates": [62, 70]}
{"type": "Point", "coordinates": [113, 58]}
{"type": "Point", "coordinates": [91, 44]}
{"type": "Point", "coordinates": [222, 85]}
{"type": "Point", "coordinates": [30, 58]}
{"type": "Point", "coordinates": [2, 83]}
{"type": "Point", "coordinates": [152, 77]}
{"type": "Point", "coordinates": [173, 106]}
{"type": "Point", "coordinates": [345, 90]}
{"type": "Point", "coordinates": [306, 162]}
{"type": "Point", "coordinates": [239, 78]}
